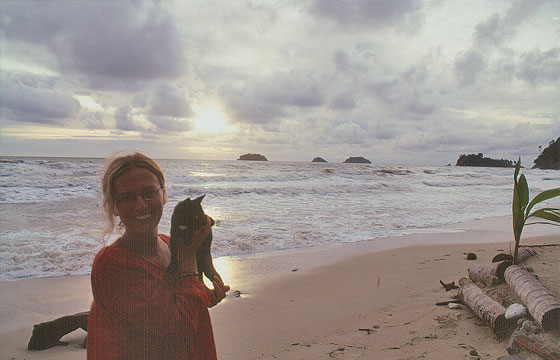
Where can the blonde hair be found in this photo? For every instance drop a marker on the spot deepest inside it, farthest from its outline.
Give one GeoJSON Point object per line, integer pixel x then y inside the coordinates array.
{"type": "Point", "coordinates": [116, 166]}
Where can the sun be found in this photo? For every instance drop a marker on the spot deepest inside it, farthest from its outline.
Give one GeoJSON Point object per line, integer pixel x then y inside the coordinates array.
{"type": "Point", "coordinates": [211, 119]}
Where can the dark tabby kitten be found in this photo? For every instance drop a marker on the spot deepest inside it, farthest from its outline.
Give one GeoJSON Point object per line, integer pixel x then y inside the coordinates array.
{"type": "Point", "coordinates": [187, 217]}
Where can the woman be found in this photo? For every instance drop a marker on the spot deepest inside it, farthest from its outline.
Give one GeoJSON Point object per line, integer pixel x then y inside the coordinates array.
{"type": "Point", "coordinates": [139, 311]}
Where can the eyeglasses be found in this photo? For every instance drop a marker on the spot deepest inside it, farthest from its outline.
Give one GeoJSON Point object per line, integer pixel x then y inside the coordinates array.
{"type": "Point", "coordinates": [129, 198]}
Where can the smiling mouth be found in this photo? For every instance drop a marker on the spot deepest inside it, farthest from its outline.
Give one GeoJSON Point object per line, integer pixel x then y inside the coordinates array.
{"type": "Point", "coordinates": [143, 217]}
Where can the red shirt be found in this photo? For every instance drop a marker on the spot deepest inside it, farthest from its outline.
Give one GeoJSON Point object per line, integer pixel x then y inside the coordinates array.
{"type": "Point", "coordinates": [141, 312]}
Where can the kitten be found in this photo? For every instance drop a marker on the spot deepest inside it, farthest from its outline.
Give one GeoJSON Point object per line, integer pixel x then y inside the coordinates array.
{"type": "Point", "coordinates": [187, 217]}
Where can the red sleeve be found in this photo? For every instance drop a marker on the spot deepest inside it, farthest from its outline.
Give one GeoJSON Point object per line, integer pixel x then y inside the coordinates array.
{"type": "Point", "coordinates": [140, 293]}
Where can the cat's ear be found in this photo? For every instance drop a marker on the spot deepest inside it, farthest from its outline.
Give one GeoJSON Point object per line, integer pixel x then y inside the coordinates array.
{"type": "Point", "coordinates": [199, 199]}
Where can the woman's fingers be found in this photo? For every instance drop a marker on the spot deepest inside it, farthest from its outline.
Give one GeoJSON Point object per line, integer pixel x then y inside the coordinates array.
{"type": "Point", "coordinates": [220, 290]}
{"type": "Point", "coordinates": [199, 235]}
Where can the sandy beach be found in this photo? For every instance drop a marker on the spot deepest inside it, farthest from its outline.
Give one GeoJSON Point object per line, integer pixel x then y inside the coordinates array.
{"type": "Point", "coordinates": [373, 299]}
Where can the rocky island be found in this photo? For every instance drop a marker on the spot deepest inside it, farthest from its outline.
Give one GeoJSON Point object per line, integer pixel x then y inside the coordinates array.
{"type": "Point", "coordinates": [480, 160]}
{"type": "Point", "coordinates": [357, 160]}
{"type": "Point", "coordinates": [550, 157]}
{"type": "Point", "coordinates": [318, 159]}
{"type": "Point", "coordinates": [253, 157]}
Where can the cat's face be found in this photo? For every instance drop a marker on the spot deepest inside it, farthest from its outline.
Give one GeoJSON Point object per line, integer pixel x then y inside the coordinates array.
{"type": "Point", "coordinates": [188, 215]}
{"type": "Point", "coordinates": [198, 219]}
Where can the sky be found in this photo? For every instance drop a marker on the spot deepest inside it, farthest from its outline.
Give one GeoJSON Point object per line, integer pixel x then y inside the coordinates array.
{"type": "Point", "coordinates": [416, 82]}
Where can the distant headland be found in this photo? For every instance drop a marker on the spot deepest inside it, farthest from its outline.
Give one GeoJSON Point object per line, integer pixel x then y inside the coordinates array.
{"type": "Point", "coordinates": [480, 160]}
{"type": "Point", "coordinates": [253, 157]}
{"type": "Point", "coordinates": [550, 157]}
{"type": "Point", "coordinates": [318, 159]}
{"type": "Point", "coordinates": [357, 159]}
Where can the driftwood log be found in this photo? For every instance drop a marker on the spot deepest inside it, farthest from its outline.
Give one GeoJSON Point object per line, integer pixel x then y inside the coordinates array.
{"type": "Point", "coordinates": [479, 272]}
{"type": "Point", "coordinates": [521, 341]}
{"type": "Point", "coordinates": [523, 254]}
{"type": "Point", "coordinates": [543, 306]}
{"type": "Point", "coordinates": [485, 308]}
{"type": "Point", "coordinates": [46, 335]}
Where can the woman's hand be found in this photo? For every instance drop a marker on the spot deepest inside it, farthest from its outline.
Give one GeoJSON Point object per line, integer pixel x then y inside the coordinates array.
{"type": "Point", "coordinates": [219, 292]}
{"type": "Point", "coordinates": [199, 235]}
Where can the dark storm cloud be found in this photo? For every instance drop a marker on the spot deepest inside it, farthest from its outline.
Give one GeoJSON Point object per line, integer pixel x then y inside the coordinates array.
{"type": "Point", "coordinates": [368, 13]}
{"type": "Point", "coordinates": [106, 41]}
{"type": "Point", "coordinates": [28, 99]}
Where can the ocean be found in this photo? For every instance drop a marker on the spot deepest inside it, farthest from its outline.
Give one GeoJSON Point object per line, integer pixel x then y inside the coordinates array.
{"type": "Point", "coordinates": [51, 223]}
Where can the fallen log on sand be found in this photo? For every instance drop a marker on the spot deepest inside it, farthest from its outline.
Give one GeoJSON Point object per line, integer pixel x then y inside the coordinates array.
{"type": "Point", "coordinates": [48, 334]}
{"type": "Point", "coordinates": [479, 272]}
{"type": "Point", "coordinates": [522, 341]}
{"type": "Point", "coordinates": [485, 308]}
{"type": "Point", "coordinates": [523, 254]}
{"type": "Point", "coordinates": [542, 304]}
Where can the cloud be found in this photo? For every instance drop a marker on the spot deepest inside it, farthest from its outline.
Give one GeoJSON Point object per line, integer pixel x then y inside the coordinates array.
{"type": "Point", "coordinates": [468, 67]}
{"type": "Point", "coordinates": [124, 120]}
{"type": "Point", "coordinates": [367, 13]}
{"type": "Point", "coordinates": [540, 66]}
{"type": "Point", "coordinates": [497, 30]}
{"type": "Point", "coordinates": [170, 124]}
{"type": "Point", "coordinates": [110, 42]}
{"type": "Point", "coordinates": [32, 100]}
{"type": "Point", "coordinates": [270, 99]}
{"type": "Point", "coordinates": [384, 77]}
{"type": "Point", "coordinates": [170, 101]}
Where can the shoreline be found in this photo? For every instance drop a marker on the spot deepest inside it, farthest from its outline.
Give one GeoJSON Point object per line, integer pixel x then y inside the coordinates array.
{"type": "Point", "coordinates": [311, 302]}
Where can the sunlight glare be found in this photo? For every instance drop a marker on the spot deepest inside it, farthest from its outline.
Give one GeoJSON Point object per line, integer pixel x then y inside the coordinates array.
{"type": "Point", "coordinates": [211, 120]}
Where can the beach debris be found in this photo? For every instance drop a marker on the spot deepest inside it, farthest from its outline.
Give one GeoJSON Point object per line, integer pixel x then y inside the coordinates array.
{"type": "Point", "coordinates": [541, 303]}
{"type": "Point", "coordinates": [511, 357]}
{"type": "Point", "coordinates": [454, 306]}
{"type": "Point", "coordinates": [473, 352]}
{"type": "Point", "coordinates": [523, 254]}
{"type": "Point", "coordinates": [446, 303]}
{"type": "Point", "coordinates": [519, 342]}
{"type": "Point", "coordinates": [528, 327]}
{"type": "Point", "coordinates": [516, 311]}
{"type": "Point", "coordinates": [471, 256]}
{"type": "Point", "coordinates": [449, 286]}
{"type": "Point", "coordinates": [485, 308]}
{"type": "Point", "coordinates": [295, 269]}
{"type": "Point", "coordinates": [48, 334]}
{"type": "Point", "coordinates": [334, 354]}
{"type": "Point", "coordinates": [369, 331]}
{"type": "Point", "coordinates": [491, 281]}
{"type": "Point", "coordinates": [235, 293]}
{"type": "Point", "coordinates": [479, 272]}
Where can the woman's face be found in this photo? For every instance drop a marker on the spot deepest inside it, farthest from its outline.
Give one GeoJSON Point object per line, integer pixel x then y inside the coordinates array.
{"type": "Point", "coordinates": [140, 217]}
